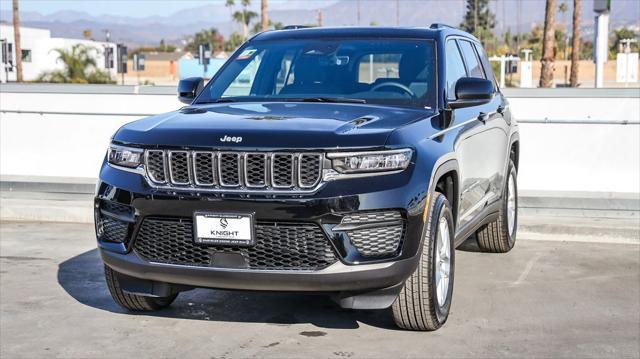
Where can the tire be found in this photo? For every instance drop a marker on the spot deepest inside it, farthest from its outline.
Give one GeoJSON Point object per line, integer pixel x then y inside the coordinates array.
{"type": "Point", "coordinates": [418, 306]}
{"type": "Point", "coordinates": [497, 236]}
{"type": "Point", "coordinates": [134, 302]}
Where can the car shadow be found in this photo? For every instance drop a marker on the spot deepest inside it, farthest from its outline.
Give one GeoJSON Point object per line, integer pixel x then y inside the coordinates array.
{"type": "Point", "coordinates": [470, 245]}
{"type": "Point", "coordinates": [82, 277]}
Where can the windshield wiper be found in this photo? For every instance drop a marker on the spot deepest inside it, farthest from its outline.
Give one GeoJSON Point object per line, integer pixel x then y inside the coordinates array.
{"type": "Point", "coordinates": [220, 100]}
{"type": "Point", "coordinates": [329, 99]}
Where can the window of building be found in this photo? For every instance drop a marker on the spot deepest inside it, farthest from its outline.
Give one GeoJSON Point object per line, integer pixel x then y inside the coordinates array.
{"type": "Point", "coordinates": [26, 55]}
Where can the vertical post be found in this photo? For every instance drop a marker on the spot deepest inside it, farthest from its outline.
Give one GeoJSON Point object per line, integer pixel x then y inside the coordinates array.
{"type": "Point", "coordinates": [601, 50]}
{"type": "Point", "coordinates": [503, 61]}
{"type": "Point", "coordinates": [264, 18]}
{"type": "Point", "coordinates": [16, 40]}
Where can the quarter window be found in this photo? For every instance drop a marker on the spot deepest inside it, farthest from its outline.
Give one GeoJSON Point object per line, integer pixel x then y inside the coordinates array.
{"type": "Point", "coordinates": [455, 68]}
{"type": "Point", "coordinates": [471, 59]}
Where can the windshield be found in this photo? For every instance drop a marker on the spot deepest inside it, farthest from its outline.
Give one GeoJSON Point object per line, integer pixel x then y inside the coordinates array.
{"type": "Point", "coordinates": [389, 72]}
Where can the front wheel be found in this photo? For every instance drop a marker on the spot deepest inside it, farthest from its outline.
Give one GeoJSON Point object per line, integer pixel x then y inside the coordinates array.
{"type": "Point", "coordinates": [425, 300]}
{"type": "Point", "coordinates": [134, 302]}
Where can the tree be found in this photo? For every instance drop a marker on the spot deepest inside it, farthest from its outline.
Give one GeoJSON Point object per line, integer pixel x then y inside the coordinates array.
{"type": "Point", "coordinates": [244, 16]}
{"type": "Point", "coordinates": [79, 67]}
{"type": "Point", "coordinates": [207, 36]}
{"type": "Point", "coordinates": [87, 34]}
{"type": "Point", "coordinates": [479, 20]}
{"type": "Point", "coordinates": [16, 40]}
{"type": "Point", "coordinates": [575, 44]}
{"type": "Point", "coordinates": [235, 40]}
{"type": "Point", "coordinates": [264, 16]}
{"type": "Point", "coordinates": [563, 8]}
{"type": "Point", "coordinates": [257, 27]}
{"type": "Point", "coordinates": [619, 35]}
{"type": "Point", "coordinates": [548, 45]}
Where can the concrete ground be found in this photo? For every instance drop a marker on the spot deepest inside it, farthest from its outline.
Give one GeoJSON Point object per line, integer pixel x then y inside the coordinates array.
{"type": "Point", "coordinates": [543, 299]}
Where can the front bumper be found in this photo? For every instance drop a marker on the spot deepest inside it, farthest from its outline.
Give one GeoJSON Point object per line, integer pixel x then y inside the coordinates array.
{"type": "Point", "coordinates": [350, 273]}
{"type": "Point", "coordinates": [338, 277]}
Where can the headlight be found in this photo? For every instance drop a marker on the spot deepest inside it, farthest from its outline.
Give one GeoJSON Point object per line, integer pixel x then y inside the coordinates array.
{"type": "Point", "coordinates": [125, 156]}
{"type": "Point", "coordinates": [374, 161]}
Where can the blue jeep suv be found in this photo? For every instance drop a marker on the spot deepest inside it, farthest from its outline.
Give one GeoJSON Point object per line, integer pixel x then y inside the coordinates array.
{"type": "Point", "coordinates": [345, 161]}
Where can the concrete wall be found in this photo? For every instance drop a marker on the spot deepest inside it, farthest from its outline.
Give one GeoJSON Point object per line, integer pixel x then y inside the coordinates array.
{"type": "Point", "coordinates": [591, 152]}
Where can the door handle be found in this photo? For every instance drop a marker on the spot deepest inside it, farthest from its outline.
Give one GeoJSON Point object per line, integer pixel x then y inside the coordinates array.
{"type": "Point", "coordinates": [483, 117]}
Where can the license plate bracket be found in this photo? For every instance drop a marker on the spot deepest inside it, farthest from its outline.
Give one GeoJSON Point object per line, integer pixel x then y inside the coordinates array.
{"type": "Point", "coordinates": [224, 229]}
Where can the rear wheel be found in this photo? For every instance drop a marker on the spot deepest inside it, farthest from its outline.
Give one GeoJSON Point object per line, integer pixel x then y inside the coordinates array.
{"type": "Point", "coordinates": [134, 302]}
{"type": "Point", "coordinates": [499, 236]}
{"type": "Point", "coordinates": [425, 299]}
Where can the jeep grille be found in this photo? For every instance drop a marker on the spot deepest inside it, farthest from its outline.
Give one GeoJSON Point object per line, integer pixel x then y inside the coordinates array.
{"type": "Point", "coordinates": [234, 170]}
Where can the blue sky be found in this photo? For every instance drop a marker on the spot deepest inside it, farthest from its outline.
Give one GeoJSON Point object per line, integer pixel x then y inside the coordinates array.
{"type": "Point", "coordinates": [135, 8]}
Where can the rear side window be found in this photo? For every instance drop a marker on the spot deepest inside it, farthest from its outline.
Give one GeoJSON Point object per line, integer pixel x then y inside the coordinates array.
{"type": "Point", "coordinates": [455, 68]}
{"type": "Point", "coordinates": [486, 65]}
{"type": "Point", "coordinates": [471, 59]}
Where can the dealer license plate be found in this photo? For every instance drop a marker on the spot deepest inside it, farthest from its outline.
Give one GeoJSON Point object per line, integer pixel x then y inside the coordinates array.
{"type": "Point", "coordinates": [223, 229]}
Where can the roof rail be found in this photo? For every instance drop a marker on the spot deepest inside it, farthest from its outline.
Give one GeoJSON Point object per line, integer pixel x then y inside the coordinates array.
{"type": "Point", "coordinates": [436, 25]}
{"type": "Point", "coordinates": [295, 27]}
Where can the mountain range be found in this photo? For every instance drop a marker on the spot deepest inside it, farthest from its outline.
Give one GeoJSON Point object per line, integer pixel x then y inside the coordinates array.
{"type": "Point", "coordinates": [513, 15]}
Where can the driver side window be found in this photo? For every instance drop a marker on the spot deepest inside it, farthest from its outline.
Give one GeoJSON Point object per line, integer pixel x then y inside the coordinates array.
{"type": "Point", "coordinates": [455, 68]}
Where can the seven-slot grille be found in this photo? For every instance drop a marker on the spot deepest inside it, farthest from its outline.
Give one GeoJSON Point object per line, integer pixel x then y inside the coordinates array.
{"type": "Point", "coordinates": [228, 170]}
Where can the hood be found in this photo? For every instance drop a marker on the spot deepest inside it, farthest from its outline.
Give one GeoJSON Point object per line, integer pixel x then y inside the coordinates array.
{"type": "Point", "coordinates": [271, 125]}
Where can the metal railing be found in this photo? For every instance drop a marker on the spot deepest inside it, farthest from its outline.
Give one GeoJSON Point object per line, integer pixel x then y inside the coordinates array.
{"type": "Point", "coordinates": [545, 120]}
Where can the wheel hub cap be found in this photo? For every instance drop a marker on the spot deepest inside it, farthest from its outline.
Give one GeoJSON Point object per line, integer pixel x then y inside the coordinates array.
{"type": "Point", "coordinates": [443, 261]}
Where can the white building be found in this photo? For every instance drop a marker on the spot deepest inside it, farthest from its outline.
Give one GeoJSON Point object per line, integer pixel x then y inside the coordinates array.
{"type": "Point", "coordinates": [38, 55]}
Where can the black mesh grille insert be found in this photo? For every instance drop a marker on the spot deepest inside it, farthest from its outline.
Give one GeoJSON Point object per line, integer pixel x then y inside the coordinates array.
{"type": "Point", "coordinates": [282, 170]}
{"type": "Point", "coordinates": [229, 169]}
{"type": "Point", "coordinates": [278, 246]}
{"type": "Point", "coordinates": [310, 166]}
{"type": "Point", "coordinates": [112, 230]}
{"type": "Point", "coordinates": [155, 166]}
{"type": "Point", "coordinates": [381, 237]}
{"type": "Point", "coordinates": [179, 167]}
{"type": "Point", "coordinates": [204, 168]}
{"type": "Point", "coordinates": [116, 208]}
{"type": "Point", "coordinates": [256, 169]}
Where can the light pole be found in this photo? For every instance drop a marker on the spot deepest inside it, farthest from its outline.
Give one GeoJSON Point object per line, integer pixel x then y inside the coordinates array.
{"type": "Point", "coordinates": [601, 47]}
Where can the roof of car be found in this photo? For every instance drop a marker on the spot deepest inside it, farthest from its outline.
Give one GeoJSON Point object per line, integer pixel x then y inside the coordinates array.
{"type": "Point", "coordinates": [433, 32]}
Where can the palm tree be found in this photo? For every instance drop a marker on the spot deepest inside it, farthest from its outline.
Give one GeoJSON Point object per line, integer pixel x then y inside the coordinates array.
{"type": "Point", "coordinates": [244, 17]}
{"type": "Point", "coordinates": [563, 8]}
{"type": "Point", "coordinates": [264, 18]}
{"type": "Point", "coordinates": [548, 45]}
{"type": "Point", "coordinates": [16, 40]}
{"type": "Point", "coordinates": [77, 62]}
{"type": "Point", "coordinates": [575, 47]}
{"type": "Point", "coordinates": [230, 4]}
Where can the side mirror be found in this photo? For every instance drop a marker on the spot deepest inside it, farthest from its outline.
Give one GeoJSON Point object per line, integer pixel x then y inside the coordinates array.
{"type": "Point", "coordinates": [189, 88]}
{"type": "Point", "coordinates": [472, 91]}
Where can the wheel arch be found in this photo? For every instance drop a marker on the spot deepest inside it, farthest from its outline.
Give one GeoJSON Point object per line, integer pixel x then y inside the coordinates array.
{"type": "Point", "coordinates": [446, 180]}
{"type": "Point", "coordinates": [514, 150]}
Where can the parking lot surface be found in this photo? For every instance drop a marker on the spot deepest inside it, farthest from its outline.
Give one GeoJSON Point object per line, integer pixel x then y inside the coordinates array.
{"type": "Point", "coordinates": [543, 299]}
